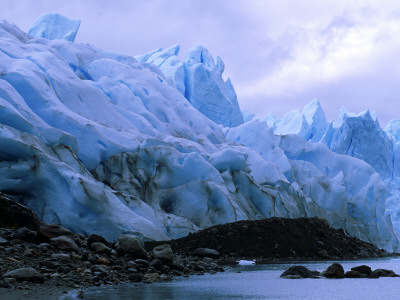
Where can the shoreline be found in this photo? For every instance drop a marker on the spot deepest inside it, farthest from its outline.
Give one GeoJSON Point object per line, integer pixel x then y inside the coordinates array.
{"type": "Point", "coordinates": [37, 257]}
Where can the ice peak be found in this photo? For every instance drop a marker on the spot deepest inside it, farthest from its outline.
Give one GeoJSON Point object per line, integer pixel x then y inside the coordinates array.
{"type": "Point", "coordinates": [54, 26]}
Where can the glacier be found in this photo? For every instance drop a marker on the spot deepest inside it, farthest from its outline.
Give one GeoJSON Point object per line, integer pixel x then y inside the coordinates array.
{"type": "Point", "coordinates": [199, 79]}
{"type": "Point", "coordinates": [55, 26]}
{"type": "Point", "coordinates": [109, 144]}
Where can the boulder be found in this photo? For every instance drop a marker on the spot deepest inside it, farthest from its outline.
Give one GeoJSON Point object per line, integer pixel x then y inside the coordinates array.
{"type": "Point", "coordinates": [99, 247]}
{"type": "Point", "coordinates": [323, 254]}
{"type": "Point", "coordinates": [95, 238]}
{"type": "Point", "coordinates": [25, 274]}
{"type": "Point", "coordinates": [334, 271]}
{"type": "Point", "coordinates": [164, 253]}
{"type": "Point", "coordinates": [156, 264]}
{"type": "Point", "coordinates": [353, 274]}
{"type": "Point", "coordinates": [131, 244]}
{"type": "Point", "coordinates": [382, 273]}
{"type": "Point", "coordinates": [26, 235]}
{"type": "Point", "coordinates": [64, 243]}
{"type": "Point", "coordinates": [151, 277]}
{"type": "Point", "coordinates": [3, 242]}
{"type": "Point", "coordinates": [54, 230]}
{"type": "Point", "coordinates": [15, 215]}
{"type": "Point", "coordinates": [206, 252]}
{"type": "Point", "coordinates": [295, 272]}
{"type": "Point", "coordinates": [61, 257]}
{"type": "Point", "coordinates": [362, 269]}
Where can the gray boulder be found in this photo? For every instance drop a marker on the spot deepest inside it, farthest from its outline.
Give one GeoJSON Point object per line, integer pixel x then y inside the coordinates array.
{"type": "Point", "coordinates": [99, 247]}
{"type": "Point", "coordinates": [131, 244]}
{"type": "Point", "coordinates": [64, 243]}
{"type": "Point", "coordinates": [164, 253]}
{"type": "Point", "coordinates": [25, 274]}
{"type": "Point", "coordinates": [206, 252]}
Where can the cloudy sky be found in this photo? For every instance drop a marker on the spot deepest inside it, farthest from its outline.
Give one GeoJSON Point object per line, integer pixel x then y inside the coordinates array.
{"type": "Point", "coordinates": [279, 54]}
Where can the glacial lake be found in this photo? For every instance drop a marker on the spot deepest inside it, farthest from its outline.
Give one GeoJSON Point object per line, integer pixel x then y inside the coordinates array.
{"type": "Point", "coordinates": [261, 282]}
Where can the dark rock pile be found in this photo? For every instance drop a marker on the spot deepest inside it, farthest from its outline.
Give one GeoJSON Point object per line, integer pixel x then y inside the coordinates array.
{"type": "Point", "coordinates": [336, 271]}
{"type": "Point", "coordinates": [276, 239]}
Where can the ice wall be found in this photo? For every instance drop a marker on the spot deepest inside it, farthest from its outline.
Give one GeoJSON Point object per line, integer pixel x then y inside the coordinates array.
{"type": "Point", "coordinates": [104, 143]}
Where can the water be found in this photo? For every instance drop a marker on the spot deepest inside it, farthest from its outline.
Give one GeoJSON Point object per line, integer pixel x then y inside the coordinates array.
{"type": "Point", "coordinates": [263, 282]}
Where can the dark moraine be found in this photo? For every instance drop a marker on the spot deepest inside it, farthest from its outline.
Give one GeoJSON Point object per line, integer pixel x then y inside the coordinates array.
{"type": "Point", "coordinates": [276, 238]}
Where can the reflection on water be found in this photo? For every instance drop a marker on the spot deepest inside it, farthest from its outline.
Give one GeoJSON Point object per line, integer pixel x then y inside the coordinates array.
{"type": "Point", "coordinates": [262, 282]}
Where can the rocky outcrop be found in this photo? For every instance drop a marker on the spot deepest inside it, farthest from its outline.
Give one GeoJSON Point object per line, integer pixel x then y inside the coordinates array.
{"type": "Point", "coordinates": [275, 238]}
{"type": "Point", "coordinates": [334, 271]}
{"type": "Point", "coordinates": [15, 215]}
{"type": "Point", "coordinates": [299, 272]}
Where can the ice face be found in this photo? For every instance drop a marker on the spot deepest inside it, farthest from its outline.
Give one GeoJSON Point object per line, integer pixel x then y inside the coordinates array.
{"type": "Point", "coordinates": [107, 143]}
{"type": "Point", "coordinates": [310, 123]}
{"type": "Point", "coordinates": [54, 26]}
{"type": "Point", "coordinates": [199, 79]}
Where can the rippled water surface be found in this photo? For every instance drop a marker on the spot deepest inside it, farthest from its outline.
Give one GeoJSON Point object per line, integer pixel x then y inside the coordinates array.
{"type": "Point", "coordinates": [263, 282]}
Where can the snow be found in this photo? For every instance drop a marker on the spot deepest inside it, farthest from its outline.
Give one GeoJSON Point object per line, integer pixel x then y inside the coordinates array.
{"type": "Point", "coordinates": [106, 143]}
{"type": "Point", "coordinates": [54, 26]}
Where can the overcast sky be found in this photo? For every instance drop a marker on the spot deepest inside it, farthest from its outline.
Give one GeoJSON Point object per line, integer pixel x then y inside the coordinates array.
{"type": "Point", "coordinates": [279, 54]}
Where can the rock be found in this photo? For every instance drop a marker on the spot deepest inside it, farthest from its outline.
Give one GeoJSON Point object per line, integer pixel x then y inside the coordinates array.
{"type": "Point", "coordinates": [62, 257]}
{"type": "Point", "coordinates": [100, 247]}
{"type": "Point", "coordinates": [95, 238]}
{"type": "Point", "coordinates": [141, 262]}
{"type": "Point", "coordinates": [323, 254]}
{"type": "Point", "coordinates": [54, 230]}
{"type": "Point", "coordinates": [3, 242]}
{"type": "Point", "coordinates": [26, 235]}
{"type": "Point", "coordinates": [156, 263]}
{"type": "Point", "coordinates": [295, 272]}
{"type": "Point", "coordinates": [382, 273]}
{"type": "Point", "coordinates": [44, 247]}
{"type": "Point", "coordinates": [164, 253]}
{"type": "Point", "coordinates": [206, 252]}
{"type": "Point", "coordinates": [353, 274]}
{"type": "Point", "coordinates": [103, 261]}
{"type": "Point", "coordinates": [129, 243]}
{"type": "Point", "coordinates": [48, 264]}
{"type": "Point", "coordinates": [151, 277]}
{"type": "Point", "coordinates": [135, 277]}
{"type": "Point", "coordinates": [99, 268]}
{"type": "Point", "coordinates": [25, 274]}
{"type": "Point", "coordinates": [15, 215]}
{"type": "Point", "coordinates": [334, 271]}
{"type": "Point", "coordinates": [362, 269]}
{"type": "Point", "coordinates": [64, 243]}
{"type": "Point", "coordinates": [31, 252]}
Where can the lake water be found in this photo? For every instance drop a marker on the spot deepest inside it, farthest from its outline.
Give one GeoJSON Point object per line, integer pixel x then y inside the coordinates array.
{"type": "Point", "coordinates": [262, 282]}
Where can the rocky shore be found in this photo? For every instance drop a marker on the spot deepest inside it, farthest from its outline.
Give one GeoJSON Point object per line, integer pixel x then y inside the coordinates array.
{"type": "Point", "coordinates": [37, 256]}
{"type": "Point", "coordinates": [42, 256]}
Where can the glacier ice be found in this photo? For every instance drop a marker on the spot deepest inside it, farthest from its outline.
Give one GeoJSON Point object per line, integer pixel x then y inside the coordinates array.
{"type": "Point", "coordinates": [107, 143]}
{"type": "Point", "coordinates": [53, 26]}
{"type": "Point", "coordinates": [199, 79]}
{"type": "Point", "coordinates": [310, 123]}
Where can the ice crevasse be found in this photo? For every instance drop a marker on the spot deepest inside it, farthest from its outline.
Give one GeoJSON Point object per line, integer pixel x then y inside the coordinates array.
{"type": "Point", "coordinates": [108, 143]}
